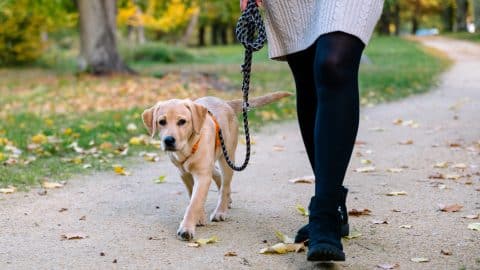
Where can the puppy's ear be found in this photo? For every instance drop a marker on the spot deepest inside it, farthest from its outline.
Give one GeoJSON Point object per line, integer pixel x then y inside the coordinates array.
{"type": "Point", "coordinates": [147, 117]}
{"type": "Point", "coordinates": [198, 115]}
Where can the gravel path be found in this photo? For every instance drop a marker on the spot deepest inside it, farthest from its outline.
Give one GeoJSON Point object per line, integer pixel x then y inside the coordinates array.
{"type": "Point", "coordinates": [131, 221]}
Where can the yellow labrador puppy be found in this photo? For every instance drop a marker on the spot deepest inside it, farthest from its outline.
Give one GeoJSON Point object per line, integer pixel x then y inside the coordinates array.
{"type": "Point", "coordinates": [188, 131]}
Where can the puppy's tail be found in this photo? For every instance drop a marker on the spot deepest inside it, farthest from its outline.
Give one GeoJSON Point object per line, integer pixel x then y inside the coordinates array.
{"type": "Point", "coordinates": [255, 102]}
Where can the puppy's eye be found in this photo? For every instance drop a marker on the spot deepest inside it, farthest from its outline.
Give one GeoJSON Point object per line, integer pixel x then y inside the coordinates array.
{"type": "Point", "coordinates": [181, 122]}
{"type": "Point", "coordinates": [162, 122]}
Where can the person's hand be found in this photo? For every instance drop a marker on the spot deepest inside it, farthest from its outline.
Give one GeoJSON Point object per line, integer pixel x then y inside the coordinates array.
{"type": "Point", "coordinates": [243, 4]}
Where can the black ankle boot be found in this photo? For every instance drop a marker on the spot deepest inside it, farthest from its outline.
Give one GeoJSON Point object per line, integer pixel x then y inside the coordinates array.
{"type": "Point", "coordinates": [324, 243]}
{"type": "Point", "coordinates": [302, 234]}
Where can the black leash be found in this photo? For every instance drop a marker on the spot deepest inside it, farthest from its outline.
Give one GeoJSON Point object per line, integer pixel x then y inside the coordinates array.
{"type": "Point", "coordinates": [249, 24]}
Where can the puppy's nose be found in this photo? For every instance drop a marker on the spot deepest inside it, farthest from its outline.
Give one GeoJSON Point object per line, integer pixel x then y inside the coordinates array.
{"type": "Point", "coordinates": [169, 141]}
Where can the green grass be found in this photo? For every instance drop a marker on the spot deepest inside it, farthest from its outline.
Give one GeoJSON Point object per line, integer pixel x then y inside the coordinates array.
{"type": "Point", "coordinates": [398, 68]}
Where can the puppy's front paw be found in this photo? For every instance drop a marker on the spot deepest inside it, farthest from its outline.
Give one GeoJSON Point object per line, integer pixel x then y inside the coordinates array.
{"type": "Point", "coordinates": [218, 216]}
{"type": "Point", "coordinates": [185, 234]}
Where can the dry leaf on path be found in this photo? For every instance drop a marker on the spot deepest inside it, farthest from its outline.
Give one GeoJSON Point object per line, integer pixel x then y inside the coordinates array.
{"type": "Point", "coordinates": [359, 212]}
{"type": "Point", "coordinates": [388, 266]}
{"type": "Point", "coordinates": [365, 169]}
{"type": "Point", "coordinates": [436, 176]}
{"type": "Point", "coordinates": [459, 166]}
{"type": "Point", "coordinates": [310, 179]}
{"type": "Point", "coordinates": [284, 238]}
{"type": "Point", "coordinates": [302, 210]}
{"type": "Point", "coordinates": [420, 260]}
{"type": "Point", "coordinates": [453, 176]}
{"type": "Point", "coordinates": [450, 208]}
{"type": "Point", "coordinates": [8, 190]}
{"type": "Point", "coordinates": [353, 235]}
{"type": "Point", "coordinates": [282, 248]}
{"type": "Point", "coordinates": [120, 170]}
{"type": "Point", "coordinates": [394, 170]}
{"type": "Point", "coordinates": [204, 241]}
{"type": "Point", "coordinates": [379, 222]}
{"type": "Point", "coordinates": [474, 226]}
{"type": "Point", "coordinates": [278, 148]}
{"type": "Point", "coordinates": [160, 179]}
{"type": "Point", "coordinates": [396, 193]}
{"type": "Point", "coordinates": [443, 164]}
{"type": "Point", "coordinates": [471, 216]}
{"type": "Point", "coordinates": [365, 161]}
{"type": "Point", "coordinates": [406, 142]}
{"type": "Point", "coordinates": [446, 252]}
{"type": "Point", "coordinates": [51, 185]}
{"type": "Point", "coordinates": [406, 226]}
{"type": "Point", "coordinates": [74, 236]}
{"type": "Point", "coordinates": [230, 254]}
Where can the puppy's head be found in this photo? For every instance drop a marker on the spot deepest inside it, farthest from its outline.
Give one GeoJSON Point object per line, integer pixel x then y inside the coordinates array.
{"type": "Point", "coordinates": [175, 121]}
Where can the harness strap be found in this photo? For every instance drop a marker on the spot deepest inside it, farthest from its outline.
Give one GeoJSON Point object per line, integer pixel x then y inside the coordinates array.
{"type": "Point", "coordinates": [217, 137]}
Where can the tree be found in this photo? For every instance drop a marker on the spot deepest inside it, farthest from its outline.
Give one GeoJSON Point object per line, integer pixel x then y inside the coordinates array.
{"type": "Point", "coordinates": [462, 11]}
{"type": "Point", "coordinates": [476, 14]}
{"type": "Point", "coordinates": [98, 48]}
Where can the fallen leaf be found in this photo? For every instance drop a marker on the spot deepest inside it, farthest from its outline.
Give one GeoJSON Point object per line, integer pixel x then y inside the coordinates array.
{"type": "Point", "coordinates": [394, 170]}
{"type": "Point", "coordinates": [397, 121]}
{"type": "Point", "coordinates": [379, 222]}
{"type": "Point", "coordinates": [388, 266]}
{"type": "Point", "coordinates": [406, 226]}
{"type": "Point", "coordinates": [282, 237]}
{"type": "Point", "coordinates": [8, 190]}
{"type": "Point", "coordinates": [443, 164]}
{"type": "Point", "coordinates": [419, 260]}
{"type": "Point", "coordinates": [230, 254]}
{"type": "Point", "coordinates": [474, 226]}
{"type": "Point", "coordinates": [83, 218]}
{"type": "Point", "coordinates": [454, 144]}
{"type": "Point", "coordinates": [406, 142]}
{"type": "Point", "coordinates": [310, 179]}
{"type": "Point", "coordinates": [453, 176]}
{"type": "Point", "coordinates": [436, 176]}
{"type": "Point", "coordinates": [74, 236]}
{"type": "Point", "coordinates": [51, 185]}
{"type": "Point", "coordinates": [42, 192]}
{"type": "Point", "coordinates": [396, 193]}
{"type": "Point", "coordinates": [359, 212]}
{"type": "Point", "coordinates": [302, 210]}
{"type": "Point", "coordinates": [459, 166]}
{"type": "Point", "coordinates": [120, 170]}
{"type": "Point", "coordinates": [366, 161]}
{"type": "Point", "coordinates": [63, 209]}
{"type": "Point", "coordinates": [451, 208]}
{"type": "Point", "coordinates": [365, 169]}
{"type": "Point", "coordinates": [196, 245]}
{"type": "Point", "coordinates": [353, 234]}
{"type": "Point", "coordinates": [136, 141]}
{"type": "Point", "coordinates": [377, 129]}
{"type": "Point", "coordinates": [204, 241]}
{"type": "Point", "coordinates": [39, 138]}
{"type": "Point", "coordinates": [471, 216]}
{"type": "Point", "coordinates": [160, 179]}
{"type": "Point", "coordinates": [282, 248]}
{"type": "Point", "coordinates": [446, 252]}
{"type": "Point", "coordinates": [278, 148]}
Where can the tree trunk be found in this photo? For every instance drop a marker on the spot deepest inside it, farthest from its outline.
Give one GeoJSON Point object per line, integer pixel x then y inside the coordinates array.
{"type": "Point", "coordinates": [449, 17]}
{"type": "Point", "coordinates": [98, 49]}
{"type": "Point", "coordinates": [476, 15]}
{"type": "Point", "coordinates": [416, 17]}
{"type": "Point", "coordinates": [201, 36]}
{"type": "Point", "coordinates": [396, 17]}
{"type": "Point", "coordinates": [190, 28]}
{"type": "Point", "coordinates": [384, 23]}
{"type": "Point", "coordinates": [215, 33]}
{"type": "Point", "coordinates": [224, 34]}
{"type": "Point", "coordinates": [462, 9]}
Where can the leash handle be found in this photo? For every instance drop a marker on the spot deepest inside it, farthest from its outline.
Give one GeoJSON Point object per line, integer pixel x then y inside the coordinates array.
{"type": "Point", "coordinates": [250, 31]}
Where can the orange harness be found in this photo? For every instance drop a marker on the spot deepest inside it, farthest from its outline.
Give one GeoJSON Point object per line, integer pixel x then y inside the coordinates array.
{"type": "Point", "coordinates": [217, 138]}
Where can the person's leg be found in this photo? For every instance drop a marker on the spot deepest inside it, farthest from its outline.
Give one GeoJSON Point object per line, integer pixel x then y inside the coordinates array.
{"type": "Point", "coordinates": [336, 65]}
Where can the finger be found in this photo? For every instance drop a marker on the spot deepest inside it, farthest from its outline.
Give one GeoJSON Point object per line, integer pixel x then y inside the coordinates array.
{"type": "Point", "coordinates": [243, 4]}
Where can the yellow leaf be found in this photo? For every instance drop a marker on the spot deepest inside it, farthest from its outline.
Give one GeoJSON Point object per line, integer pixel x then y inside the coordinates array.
{"type": "Point", "coordinates": [366, 161]}
{"type": "Point", "coordinates": [106, 146]}
{"type": "Point", "coordinates": [68, 131]}
{"type": "Point", "coordinates": [51, 185]}
{"type": "Point", "coordinates": [204, 241]}
{"type": "Point", "coordinates": [160, 179]}
{"type": "Point", "coordinates": [304, 180]}
{"type": "Point", "coordinates": [420, 260]}
{"type": "Point", "coordinates": [302, 210]}
{"type": "Point", "coordinates": [353, 235]}
{"type": "Point", "coordinates": [406, 226]}
{"type": "Point", "coordinates": [396, 193]}
{"type": "Point", "coordinates": [442, 165]}
{"type": "Point", "coordinates": [120, 170]}
{"type": "Point", "coordinates": [474, 226]}
{"type": "Point", "coordinates": [136, 141]}
{"type": "Point", "coordinates": [282, 237]}
{"type": "Point", "coordinates": [74, 236]}
{"type": "Point", "coordinates": [365, 169]}
{"type": "Point", "coordinates": [2, 156]}
{"type": "Point", "coordinates": [8, 190]}
{"type": "Point", "coordinates": [39, 138]}
{"type": "Point", "coordinates": [282, 248]}
{"type": "Point", "coordinates": [394, 170]}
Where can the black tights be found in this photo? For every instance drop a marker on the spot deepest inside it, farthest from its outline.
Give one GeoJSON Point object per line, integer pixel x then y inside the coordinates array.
{"type": "Point", "coordinates": [326, 78]}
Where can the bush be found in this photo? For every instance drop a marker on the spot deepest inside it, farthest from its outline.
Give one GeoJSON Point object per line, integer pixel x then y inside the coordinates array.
{"type": "Point", "coordinates": [155, 52]}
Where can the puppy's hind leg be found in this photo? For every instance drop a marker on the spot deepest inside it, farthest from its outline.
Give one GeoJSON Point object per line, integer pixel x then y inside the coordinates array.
{"type": "Point", "coordinates": [224, 199]}
{"type": "Point", "coordinates": [217, 177]}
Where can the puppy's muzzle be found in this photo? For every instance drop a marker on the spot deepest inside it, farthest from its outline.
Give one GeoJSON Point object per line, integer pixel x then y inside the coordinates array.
{"type": "Point", "coordinates": [169, 143]}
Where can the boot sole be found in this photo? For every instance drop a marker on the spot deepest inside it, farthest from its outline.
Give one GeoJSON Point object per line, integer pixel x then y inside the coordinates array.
{"type": "Point", "coordinates": [325, 253]}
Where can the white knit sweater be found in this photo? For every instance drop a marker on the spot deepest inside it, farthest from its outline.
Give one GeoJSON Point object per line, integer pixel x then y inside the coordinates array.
{"type": "Point", "coordinates": [294, 25]}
